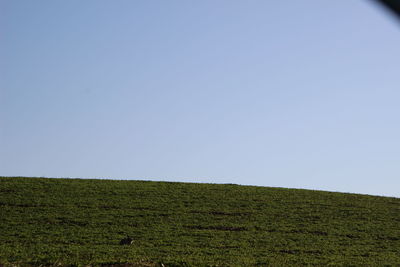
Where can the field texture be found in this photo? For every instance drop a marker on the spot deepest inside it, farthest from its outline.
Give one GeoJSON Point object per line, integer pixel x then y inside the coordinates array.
{"type": "Point", "coordinates": [81, 222]}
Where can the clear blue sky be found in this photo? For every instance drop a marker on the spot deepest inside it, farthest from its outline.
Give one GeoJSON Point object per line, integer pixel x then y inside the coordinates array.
{"type": "Point", "coordinates": [300, 94]}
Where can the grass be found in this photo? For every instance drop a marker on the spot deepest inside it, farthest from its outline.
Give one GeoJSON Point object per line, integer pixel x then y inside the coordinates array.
{"type": "Point", "coordinates": [79, 222]}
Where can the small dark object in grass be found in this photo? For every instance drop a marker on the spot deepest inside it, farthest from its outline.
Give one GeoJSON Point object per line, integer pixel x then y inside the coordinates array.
{"type": "Point", "coordinates": [126, 241]}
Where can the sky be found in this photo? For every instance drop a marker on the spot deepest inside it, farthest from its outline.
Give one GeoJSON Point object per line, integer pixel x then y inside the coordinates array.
{"type": "Point", "coordinates": [298, 94]}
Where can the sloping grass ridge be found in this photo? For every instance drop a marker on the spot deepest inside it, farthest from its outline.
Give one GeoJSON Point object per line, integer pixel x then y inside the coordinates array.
{"type": "Point", "coordinates": [81, 222]}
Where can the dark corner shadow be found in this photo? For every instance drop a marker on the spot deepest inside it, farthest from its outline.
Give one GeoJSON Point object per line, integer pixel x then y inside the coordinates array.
{"type": "Point", "coordinates": [391, 5]}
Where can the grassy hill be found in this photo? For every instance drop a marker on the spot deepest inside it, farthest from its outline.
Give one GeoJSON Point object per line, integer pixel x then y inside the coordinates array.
{"type": "Point", "coordinates": [81, 222]}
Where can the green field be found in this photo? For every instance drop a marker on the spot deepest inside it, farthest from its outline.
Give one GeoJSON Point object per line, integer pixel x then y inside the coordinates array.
{"type": "Point", "coordinates": [81, 222]}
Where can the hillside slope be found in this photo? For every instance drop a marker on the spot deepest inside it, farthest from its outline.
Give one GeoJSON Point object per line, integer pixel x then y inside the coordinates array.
{"type": "Point", "coordinates": [81, 222]}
